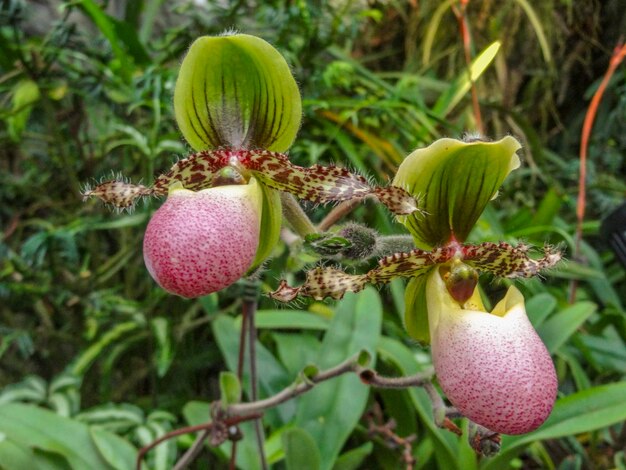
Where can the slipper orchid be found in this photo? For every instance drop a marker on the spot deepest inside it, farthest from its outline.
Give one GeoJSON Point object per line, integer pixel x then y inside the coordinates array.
{"type": "Point", "coordinates": [238, 105]}
{"type": "Point", "coordinates": [492, 366]}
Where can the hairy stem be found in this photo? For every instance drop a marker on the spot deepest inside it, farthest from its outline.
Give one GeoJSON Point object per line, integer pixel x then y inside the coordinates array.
{"type": "Point", "coordinates": [296, 217]}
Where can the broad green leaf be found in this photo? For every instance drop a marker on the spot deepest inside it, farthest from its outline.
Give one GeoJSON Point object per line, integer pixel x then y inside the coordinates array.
{"type": "Point", "coordinates": [196, 412]}
{"type": "Point", "coordinates": [15, 456]}
{"type": "Point", "coordinates": [454, 181]}
{"type": "Point", "coordinates": [296, 351]}
{"type": "Point", "coordinates": [416, 311]}
{"type": "Point", "coordinates": [230, 388]}
{"type": "Point", "coordinates": [42, 429]}
{"type": "Point", "coordinates": [118, 453]}
{"type": "Point", "coordinates": [288, 319]}
{"type": "Point", "coordinates": [585, 411]}
{"type": "Point", "coordinates": [332, 409]}
{"type": "Point", "coordinates": [301, 452]}
{"type": "Point", "coordinates": [539, 307]}
{"type": "Point", "coordinates": [236, 91]}
{"type": "Point", "coordinates": [353, 459]}
{"type": "Point", "coordinates": [557, 330]}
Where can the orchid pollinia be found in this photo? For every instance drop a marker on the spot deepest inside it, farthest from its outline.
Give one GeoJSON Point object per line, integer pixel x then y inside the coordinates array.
{"type": "Point", "coordinates": [238, 106]}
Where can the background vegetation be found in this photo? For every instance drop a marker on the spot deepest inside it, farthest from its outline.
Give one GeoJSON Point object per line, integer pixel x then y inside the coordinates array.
{"type": "Point", "coordinates": [86, 89]}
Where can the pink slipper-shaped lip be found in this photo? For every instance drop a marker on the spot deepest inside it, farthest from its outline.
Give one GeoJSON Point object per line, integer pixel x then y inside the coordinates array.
{"type": "Point", "coordinates": [200, 242]}
{"type": "Point", "coordinates": [493, 367]}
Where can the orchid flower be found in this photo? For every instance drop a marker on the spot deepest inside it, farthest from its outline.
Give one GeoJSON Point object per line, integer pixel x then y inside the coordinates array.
{"type": "Point", "coordinates": [492, 366]}
{"type": "Point", "coordinates": [238, 106]}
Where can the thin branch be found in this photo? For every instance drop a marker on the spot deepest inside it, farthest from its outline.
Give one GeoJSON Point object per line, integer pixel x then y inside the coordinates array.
{"type": "Point", "coordinates": [337, 213]}
{"type": "Point", "coordinates": [371, 377]}
{"type": "Point", "coordinates": [219, 428]}
{"type": "Point", "coordinates": [228, 422]}
{"type": "Point", "coordinates": [619, 53]}
{"type": "Point", "coordinates": [302, 385]}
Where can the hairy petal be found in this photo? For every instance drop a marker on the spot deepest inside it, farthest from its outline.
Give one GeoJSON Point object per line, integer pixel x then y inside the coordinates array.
{"type": "Point", "coordinates": [317, 184]}
{"type": "Point", "coordinates": [504, 260]}
{"type": "Point", "coordinates": [501, 259]}
{"type": "Point", "coordinates": [322, 184]}
{"type": "Point", "coordinates": [331, 282]}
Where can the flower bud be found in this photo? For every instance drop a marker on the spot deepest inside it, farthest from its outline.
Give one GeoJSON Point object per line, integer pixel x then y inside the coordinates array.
{"type": "Point", "coordinates": [492, 366]}
{"type": "Point", "coordinates": [200, 242]}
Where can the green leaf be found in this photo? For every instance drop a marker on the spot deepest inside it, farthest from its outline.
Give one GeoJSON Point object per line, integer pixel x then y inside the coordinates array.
{"type": "Point", "coordinates": [197, 412]}
{"type": "Point", "coordinates": [230, 388]}
{"type": "Point", "coordinates": [15, 456]}
{"type": "Point", "coordinates": [454, 181]}
{"type": "Point", "coordinates": [539, 307]}
{"type": "Point", "coordinates": [42, 429]}
{"type": "Point", "coordinates": [164, 351]}
{"type": "Point", "coordinates": [585, 411]}
{"type": "Point", "coordinates": [459, 88]}
{"type": "Point", "coordinates": [416, 311]}
{"type": "Point", "coordinates": [118, 453]}
{"type": "Point", "coordinates": [295, 351]}
{"type": "Point", "coordinates": [25, 95]}
{"type": "Point", "coordinates": [301, 453]}
{"type": "Point", "coordinates": [332, 409]}
{"type": "Point", "coordinates": [288, 319]}
{"type": "Point", "coordinates": [557, 330]}
{"type": "Point", "coordinates": [236, 91]}
{"type": "Point", "coordinates": [352, 459]}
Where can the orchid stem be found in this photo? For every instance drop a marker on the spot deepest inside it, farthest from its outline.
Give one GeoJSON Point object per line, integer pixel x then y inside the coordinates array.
{"type": "Point", "coordinates": [296, 216]}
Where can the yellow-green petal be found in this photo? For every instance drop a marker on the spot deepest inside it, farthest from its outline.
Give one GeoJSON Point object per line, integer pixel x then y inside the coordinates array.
{"type": "Point", "coordinates": [453, 181]}
{"type": "Point", "coordinates": [236, 91]}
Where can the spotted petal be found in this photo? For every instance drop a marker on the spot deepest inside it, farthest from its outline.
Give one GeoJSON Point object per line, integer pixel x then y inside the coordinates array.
{"type": "Point", "coordinates": [501, 259]}
{"type": "Point", "coordinates": [322, 184]}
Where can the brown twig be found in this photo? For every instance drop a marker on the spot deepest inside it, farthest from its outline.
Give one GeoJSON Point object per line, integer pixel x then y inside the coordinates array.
{"type": "Point", "coordinates": [228, 422]}
{"type": "Point", "coordinates": [240, 412]}
{"type": "Point", "coordinates": [387, 432]}
{"type": "Point", "coordinates": [337, 213]}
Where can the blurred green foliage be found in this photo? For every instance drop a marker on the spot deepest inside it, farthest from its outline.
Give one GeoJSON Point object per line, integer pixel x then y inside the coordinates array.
{"type": "Point", "coordinates": [86, 89]}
